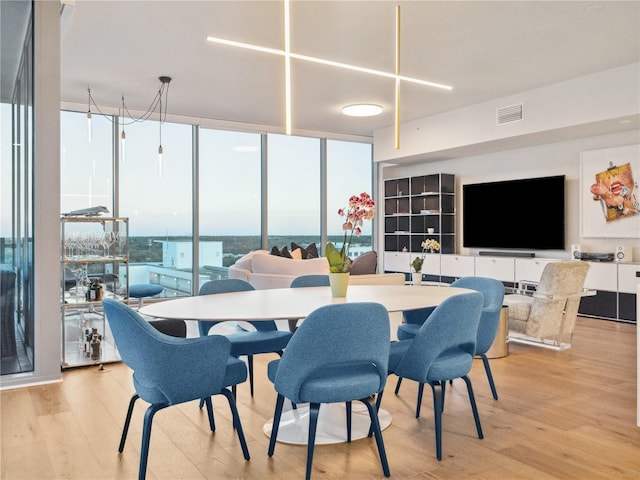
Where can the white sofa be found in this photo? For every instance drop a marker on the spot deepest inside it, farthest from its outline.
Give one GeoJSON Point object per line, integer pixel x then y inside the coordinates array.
{"type": "Point", "coordinates": [264, 271]}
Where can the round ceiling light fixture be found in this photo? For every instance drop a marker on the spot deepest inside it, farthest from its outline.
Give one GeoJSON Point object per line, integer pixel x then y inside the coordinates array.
{"type": "Point", "coordinates": [362, 110]}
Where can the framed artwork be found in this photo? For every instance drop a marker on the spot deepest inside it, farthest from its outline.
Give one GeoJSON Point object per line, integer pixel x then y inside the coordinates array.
{"type": "Point", "coordinates": [609, 194]}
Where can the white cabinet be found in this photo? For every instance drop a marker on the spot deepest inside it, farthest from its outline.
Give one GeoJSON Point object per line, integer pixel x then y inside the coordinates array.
{"type": "Point", "coordinates": [397, 262]}
{"type": "Point", "coordinates": [496, 267]}
{"type": "Point", "coordinates": [627, 281]}
{"type": "Point", "coordinates": [457, 266]}
{"type": "Point", "coordinates": [530, 269]}
{"type": "Point", "coordinates": [602, 276]}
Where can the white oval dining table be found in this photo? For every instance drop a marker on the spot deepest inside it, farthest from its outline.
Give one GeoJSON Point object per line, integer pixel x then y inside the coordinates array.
{"type": "Point", "coordinates": [297, 303]}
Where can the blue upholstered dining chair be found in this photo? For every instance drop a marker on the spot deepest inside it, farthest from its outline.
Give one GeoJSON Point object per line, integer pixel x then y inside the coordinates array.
{"type": "Point", "coordinates": [493, 296]}
{"type": "Point", "coordinates": [266, 338]}
{"type": "Point", "coordinates": [338, 354]}
{"type": "Point", "coordinates": [312, 280]}
{"type": "Point", "coordinates": [168, 371]}
{"type": "Point", "coordinates": [441, 351]}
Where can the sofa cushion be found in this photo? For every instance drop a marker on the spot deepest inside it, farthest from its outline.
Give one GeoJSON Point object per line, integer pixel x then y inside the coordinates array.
{"type": "Point", "coordinates": [367, 263]}
{"type": "Point", "coordinates": [286, 266]}
{"type": "Point", "coordinates": [244, 263]}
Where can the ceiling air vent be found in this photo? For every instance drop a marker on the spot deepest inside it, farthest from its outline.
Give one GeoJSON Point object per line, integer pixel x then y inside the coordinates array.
{"type": "Point", "coordinates": [509, 114]}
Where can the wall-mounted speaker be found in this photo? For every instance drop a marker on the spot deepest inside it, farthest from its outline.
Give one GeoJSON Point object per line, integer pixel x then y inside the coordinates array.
{"type": "Point", "coordinates": [622, 254]}
{"type": "Point", "coordinates": [576, 252]}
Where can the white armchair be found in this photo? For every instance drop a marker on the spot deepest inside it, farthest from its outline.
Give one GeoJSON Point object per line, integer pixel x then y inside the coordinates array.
{"type": "Point", "coordinates": [544, 313]}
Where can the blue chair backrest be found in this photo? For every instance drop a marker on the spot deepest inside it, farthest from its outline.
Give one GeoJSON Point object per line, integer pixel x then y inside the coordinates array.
{"type": "Point", "coordinates": [310, 281]}
{"type": "Point", "coordinates": [449, 332]}
{"type": "Point", "coordinates": [339, 336]}
{"type": "Point", "coordinates": [493, 293]}
{"type": "Point", "coordinates": [164, 366]}
{"type": "Point", "coordinates": [229, 285]}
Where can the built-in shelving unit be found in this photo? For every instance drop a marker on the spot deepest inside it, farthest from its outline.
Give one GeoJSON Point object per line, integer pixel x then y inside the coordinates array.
{"type": "Point", "coordinates": [417, 208]}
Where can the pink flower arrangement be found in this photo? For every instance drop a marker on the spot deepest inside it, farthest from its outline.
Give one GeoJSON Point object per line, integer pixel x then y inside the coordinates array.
{"type": "Point", "coordinates": [359, 209]}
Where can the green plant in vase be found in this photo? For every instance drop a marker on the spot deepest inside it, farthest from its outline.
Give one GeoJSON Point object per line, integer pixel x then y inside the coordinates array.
{"type": "Point", "coordinates": [359, 209]}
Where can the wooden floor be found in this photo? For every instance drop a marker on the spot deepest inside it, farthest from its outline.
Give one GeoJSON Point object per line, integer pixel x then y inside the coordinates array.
{"type": "Point", "coordinates": [561, 415]}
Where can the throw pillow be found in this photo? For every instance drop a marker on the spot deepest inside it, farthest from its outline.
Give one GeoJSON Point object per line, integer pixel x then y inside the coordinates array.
{"type": "Point", "coordinates": [275, 251]}
{"type": "Point", "coordinates": [365, 264]}
{"type": "Point", "coordinates": [303, 251]}
{"type": "Point", "coordinates": [285, 252]}
{"type": "Point", "coordinates": [310, 252]}
{"type": "Point", "coordinates": [296, 254]}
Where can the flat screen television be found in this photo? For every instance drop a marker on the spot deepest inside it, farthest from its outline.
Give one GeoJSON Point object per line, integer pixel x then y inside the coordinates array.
{"type": "Point", "coordinates": [524, 214]}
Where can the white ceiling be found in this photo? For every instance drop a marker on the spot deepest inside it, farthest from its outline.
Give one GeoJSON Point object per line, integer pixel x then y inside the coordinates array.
{"type": "Point", "coordinates": [485, 50]}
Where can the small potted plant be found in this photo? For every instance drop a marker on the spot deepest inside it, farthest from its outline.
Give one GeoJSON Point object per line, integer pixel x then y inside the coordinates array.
{"type": "Point", "coordinates": [416, 275]}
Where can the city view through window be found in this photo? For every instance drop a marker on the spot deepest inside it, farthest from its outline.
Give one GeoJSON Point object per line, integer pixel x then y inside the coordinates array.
{"type": "Point", "coordinates": [159, 200]}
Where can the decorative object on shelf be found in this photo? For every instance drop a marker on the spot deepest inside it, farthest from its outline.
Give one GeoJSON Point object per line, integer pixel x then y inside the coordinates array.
{"type": "Point", "coordinates": [431, 245]}
{"type": "Point", "coordinates": [416, 278]}
{"type": "Point", "coordinates": [339, 283]}
{"type": "Point", "coordinates": [359, 209]}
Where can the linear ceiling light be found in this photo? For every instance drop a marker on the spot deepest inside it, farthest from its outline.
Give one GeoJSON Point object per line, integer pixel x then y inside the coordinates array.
{"type": "Point", "coordinates": [287, 70]}
{"type": "Point", "coordinates": [288, 55]}
{"type": "Point", "coordinates": [330, 63]}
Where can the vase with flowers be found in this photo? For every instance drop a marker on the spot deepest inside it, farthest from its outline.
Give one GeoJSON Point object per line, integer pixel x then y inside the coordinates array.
{"type": "Point", "coordinates": [360, 208]}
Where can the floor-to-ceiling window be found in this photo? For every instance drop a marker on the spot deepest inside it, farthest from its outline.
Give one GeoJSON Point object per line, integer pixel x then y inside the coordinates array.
{"type": "Point", "coordinates": [244, 196]}
{"type": "Point", "coordinates": [294, 183]}
{"type": "Point", "coordinates": [16, 227]}
{"type": "Point", "coordinates": [156, 195]}
{"type": "Point", "coordinates": [349, 172]}
{"type": "Point", "coordinates": [86, 168]}
{"type": "Point", "coordinates": [229, 185]}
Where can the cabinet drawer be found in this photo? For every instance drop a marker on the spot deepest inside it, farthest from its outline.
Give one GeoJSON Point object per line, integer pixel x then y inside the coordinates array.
{"type": "Point", "coordinates": [397, 262]}
{"type": "Point", "coordinates": [602, 276]}
{"type": "Point", "coordinates": [493, 267]}
{"type": "Point", "coordinates": [457, 266]}
{"type": "Point", "coordinates": [627, 280]}
{"type": "Point", "coordinates": [530, 268]}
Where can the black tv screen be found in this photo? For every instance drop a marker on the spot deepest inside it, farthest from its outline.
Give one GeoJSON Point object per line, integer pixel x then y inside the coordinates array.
{"type": "Point", "coordinates": [515, 214]}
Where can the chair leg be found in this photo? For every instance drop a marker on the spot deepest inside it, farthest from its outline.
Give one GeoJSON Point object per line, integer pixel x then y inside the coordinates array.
{"type": "Point", "coordinates": [487, 368]}
{"type": "Point", "coordinates": [212, 422]}
{"type": "Point", "coordinates": [127, 421]}
{"type": "Point", "coordinates": [420, 391]}
{"type": "Point", "coordinates": [474, 408]}
{"type": "Point", "coordinates": [398, 385]}
{"type": "Point", "coordinates": [378, 402]}
{"type": "Point", "coordinates": [375, 425]}
{"type": "Point", "coordinates": [146, 438]}
{"type": "Point", "coordinates": [314, 409]}
{"type": "Point", "coordinates": [348, 411]}
{"type": "Point", "coordinates": [236, 422]}
{"type": "Point", "coordinates": [438, 403]}
{"type": "Point", "coordinates": [276, 424]}
{"type": "Point", "coordinates": [250, 365]}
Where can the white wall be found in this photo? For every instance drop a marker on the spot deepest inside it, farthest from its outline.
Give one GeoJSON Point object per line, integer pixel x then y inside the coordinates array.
{"type": "Point", "coordinates": [561, 158]}
{"type": "Point", "coordinates": [581, 103]}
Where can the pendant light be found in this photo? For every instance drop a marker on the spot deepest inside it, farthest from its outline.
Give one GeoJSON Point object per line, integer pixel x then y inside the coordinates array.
{"type": "Point", "coordinates": [156, 104]}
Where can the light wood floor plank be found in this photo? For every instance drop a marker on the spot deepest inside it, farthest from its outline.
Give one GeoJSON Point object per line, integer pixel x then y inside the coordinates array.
{"type": "Point", "coordinates": [561, 416]}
